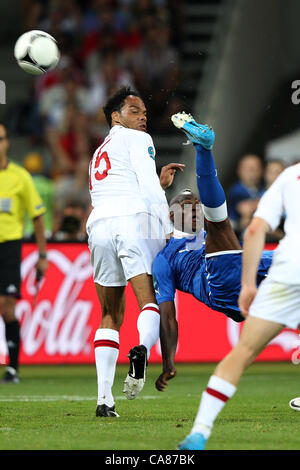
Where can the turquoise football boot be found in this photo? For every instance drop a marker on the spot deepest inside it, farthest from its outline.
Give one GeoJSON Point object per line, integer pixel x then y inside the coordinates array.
{"type": "Point", "coordinates": [196, 133]}
{"type": "Point", "coordinates": [195, 441]}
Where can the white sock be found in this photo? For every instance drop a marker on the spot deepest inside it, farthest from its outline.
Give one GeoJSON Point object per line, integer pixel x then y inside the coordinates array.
{"type": "Point", "coordinates": [148, 326]}
{"type": "Point", "coordinates": [213, 399]}
{"type": "Point", "coordinates": [106, 344]}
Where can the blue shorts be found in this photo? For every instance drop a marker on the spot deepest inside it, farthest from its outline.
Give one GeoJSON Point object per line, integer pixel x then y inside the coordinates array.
{"type": "Point", "coordinates": [224, 270]}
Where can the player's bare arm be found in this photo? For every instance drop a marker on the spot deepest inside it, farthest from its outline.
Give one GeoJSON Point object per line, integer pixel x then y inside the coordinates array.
{"type": "Point", "coordinates": [168, 340]}
{"type": "Point", "coordinates": [168, 172]}
{"type": "Point", "coordinates": [253, 246]}
{"type": "Point", "coordinates": [39, 231]}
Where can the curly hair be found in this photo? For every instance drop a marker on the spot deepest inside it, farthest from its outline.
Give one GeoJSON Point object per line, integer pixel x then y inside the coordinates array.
{"type": "Point", "coordinates": [116, 102]}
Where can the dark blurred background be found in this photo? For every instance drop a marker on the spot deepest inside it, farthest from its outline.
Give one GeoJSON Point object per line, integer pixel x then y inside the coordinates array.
{"type": "Point", "coordinates": [231, 63]}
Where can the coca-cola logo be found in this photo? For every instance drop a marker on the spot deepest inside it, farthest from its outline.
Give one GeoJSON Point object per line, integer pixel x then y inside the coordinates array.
{"type": "Point", "coordinates": [58, 322]}
{"type": "Point", "coordinates": [60, 325]}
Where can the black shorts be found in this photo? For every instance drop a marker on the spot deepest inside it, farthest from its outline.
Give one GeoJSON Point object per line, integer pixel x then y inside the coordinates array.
{"type": "Point", "coordinates": [10, 268]}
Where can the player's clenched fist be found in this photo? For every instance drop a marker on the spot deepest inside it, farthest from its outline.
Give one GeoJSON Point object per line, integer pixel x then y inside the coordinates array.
{"type": "Point", "coordinates": [163, 379]}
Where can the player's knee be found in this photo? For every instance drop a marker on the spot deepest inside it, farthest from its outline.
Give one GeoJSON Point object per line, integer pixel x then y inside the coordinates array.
{"type": "Point", "coordinates": [112, 320]}
{"type": "Point", "coordinates": [247, 351]}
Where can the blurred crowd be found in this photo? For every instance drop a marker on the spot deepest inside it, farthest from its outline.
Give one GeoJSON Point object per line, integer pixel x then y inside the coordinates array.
{"type": "Point", "coordinates": [254, 177]}
{"type": "Point", "coordinates": [104, 44]}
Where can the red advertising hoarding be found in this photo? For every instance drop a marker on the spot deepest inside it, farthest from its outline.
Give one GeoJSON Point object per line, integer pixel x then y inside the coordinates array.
{"type": "Point", "coordinates": [59, 323]}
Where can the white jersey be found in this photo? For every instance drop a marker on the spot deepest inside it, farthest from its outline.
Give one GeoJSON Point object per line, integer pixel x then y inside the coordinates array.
{"type": "Point", "coordinates": [123, 178]}
{"type": "Point", "coordinates": [283, 199]}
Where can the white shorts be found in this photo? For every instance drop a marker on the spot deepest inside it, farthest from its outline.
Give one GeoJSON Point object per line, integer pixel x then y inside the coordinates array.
{"type": "Point", "coordinates": [123, 247]}
{"type": "Point", "coordinates": [277, 302]}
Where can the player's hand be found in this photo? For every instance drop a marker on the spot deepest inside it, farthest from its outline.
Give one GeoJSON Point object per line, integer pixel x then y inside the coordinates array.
{"type": "Point", "coordinates": [168, 172]}
{"type": "Point", "coordinates": [246, 298]}
{"type": "Point", "coordinates": [41, 268]}
{"type": "Point", "coordinates": [163, 379]}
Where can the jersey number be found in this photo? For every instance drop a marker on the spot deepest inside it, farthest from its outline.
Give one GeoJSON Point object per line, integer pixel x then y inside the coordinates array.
{"type": "Point", "coordinates": [104, 160]}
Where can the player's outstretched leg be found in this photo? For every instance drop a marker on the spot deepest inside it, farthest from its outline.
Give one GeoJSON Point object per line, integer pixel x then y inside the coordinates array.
{"type": "Point", "coordinates": [210, 189]}
{"type": "Point", "coordinates": [220, 235]}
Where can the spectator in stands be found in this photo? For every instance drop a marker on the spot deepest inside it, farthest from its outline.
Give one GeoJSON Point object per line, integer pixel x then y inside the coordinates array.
{"type": "Point", "coordinates": [49, 94]}
{"type": "Point", "coordinates": [156, 68]}
{"type": "Point", "coordinates": [87, 33]}
{"type": "Point", "coordinates": [31, 13]}
{"type": "Point", "coordinates": [62, 16]}
{"type": "Point", "coordinates": [109, 77]}
{"type": "Point", "coordinates": [60, 101]}
{"type": "Point", "coordinates": [67, 134]}
{"type": "Point", "coordinates": [70, 222]}
{"type": "Point", "coordinates": [244, 195]}
{"type": "Point", "coordinates": [273, 169]}
{"type": "Point", "coordinates": [143, 11]}
{"type": "Point", "coordinates": [102, 37]}
{"type": "Point", "coordinates": [71, 151]}
{"type": "Point", "coordinates": [65, 68]}
{"type": "Point", "coordinates": [104, 44]}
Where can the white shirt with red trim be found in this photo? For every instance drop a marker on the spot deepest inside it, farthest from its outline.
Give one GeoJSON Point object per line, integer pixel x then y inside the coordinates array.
{"type": "Point", "coordinates": [123, 178]}
{"type": "Point", "coordinates": [283, 199]}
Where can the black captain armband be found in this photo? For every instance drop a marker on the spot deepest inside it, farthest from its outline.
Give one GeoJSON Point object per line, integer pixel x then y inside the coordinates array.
{"type": "Point", "coordinates": [43, 255]}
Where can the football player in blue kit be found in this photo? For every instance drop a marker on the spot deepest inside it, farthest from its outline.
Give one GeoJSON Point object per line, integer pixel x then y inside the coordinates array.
{"type": "Point", "coordinates": [205, 263]}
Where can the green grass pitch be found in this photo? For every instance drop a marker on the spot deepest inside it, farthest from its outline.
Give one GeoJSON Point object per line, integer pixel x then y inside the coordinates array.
{"type": "Point", "coordinates": [53, 408]}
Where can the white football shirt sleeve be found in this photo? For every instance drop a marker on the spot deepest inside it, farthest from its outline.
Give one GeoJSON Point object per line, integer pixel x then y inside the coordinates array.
{"type": "Point", "coordinates": [142, 153]}
{"type": "Point", "coordinates": [142, 156]}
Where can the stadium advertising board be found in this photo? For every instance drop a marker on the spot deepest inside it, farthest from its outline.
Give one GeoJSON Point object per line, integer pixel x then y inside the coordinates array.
{"type": "Point", "coordinates": [59, 322]}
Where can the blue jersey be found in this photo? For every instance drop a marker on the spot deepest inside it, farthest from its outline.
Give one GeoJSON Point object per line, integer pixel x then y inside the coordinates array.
{"type": "Point", "coordinates": [214, 279]}
{"type": "Point", "coordinates": [239, 192]}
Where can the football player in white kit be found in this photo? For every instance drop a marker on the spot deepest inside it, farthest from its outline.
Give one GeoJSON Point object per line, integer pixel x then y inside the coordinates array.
{"type": "Point", "coordinates": [127, 227]}
{"type": "Point", "coordinates": [268, 309]}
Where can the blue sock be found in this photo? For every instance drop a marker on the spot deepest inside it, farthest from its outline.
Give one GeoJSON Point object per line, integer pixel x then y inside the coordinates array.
{"type": "Point", "coordinates": [210, 189]}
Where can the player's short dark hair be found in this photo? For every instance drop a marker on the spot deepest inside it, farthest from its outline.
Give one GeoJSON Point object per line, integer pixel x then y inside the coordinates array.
{"type": "Point", "coordinates": [116, 102]}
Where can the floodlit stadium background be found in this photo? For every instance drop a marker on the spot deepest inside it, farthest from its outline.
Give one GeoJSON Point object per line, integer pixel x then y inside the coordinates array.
{"type": "Point", "coordinates": [232, 63]}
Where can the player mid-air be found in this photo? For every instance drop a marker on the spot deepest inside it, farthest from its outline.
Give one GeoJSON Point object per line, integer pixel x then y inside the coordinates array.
{"type": "Point", "coordinates": [206, 264]}
{"type": "Point", "coordinates": [127, 227]}
{"type": "Point", "coordinates": [275, 304]}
